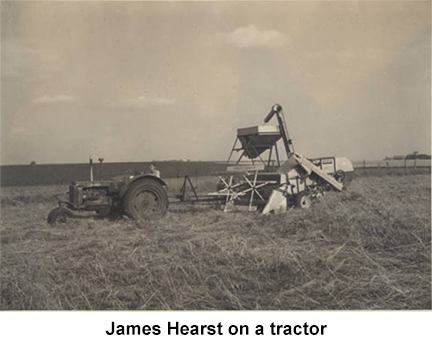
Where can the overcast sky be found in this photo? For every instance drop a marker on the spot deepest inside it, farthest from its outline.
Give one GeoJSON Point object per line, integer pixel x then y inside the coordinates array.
{"type": "Point", "coordinates": [138, 81]}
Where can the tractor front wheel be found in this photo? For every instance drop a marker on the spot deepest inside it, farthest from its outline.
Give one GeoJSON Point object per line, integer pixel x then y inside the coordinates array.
{"type": "Point", "coordinates": [59, 215]}
{"type": "Point", "coordinates": [146, 200]}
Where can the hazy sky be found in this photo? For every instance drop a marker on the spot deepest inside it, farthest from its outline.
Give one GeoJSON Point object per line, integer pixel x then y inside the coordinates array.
{"type": "Point", "coordinates": [138, 81]}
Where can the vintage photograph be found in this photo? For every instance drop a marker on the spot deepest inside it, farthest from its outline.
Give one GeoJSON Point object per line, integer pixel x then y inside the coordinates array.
{"type": "Point", "coordinates": [215, 155]}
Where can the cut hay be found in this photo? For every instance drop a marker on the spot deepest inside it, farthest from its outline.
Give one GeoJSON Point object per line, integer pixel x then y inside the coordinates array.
{"type": "Point", "coordinates": [366, 248]}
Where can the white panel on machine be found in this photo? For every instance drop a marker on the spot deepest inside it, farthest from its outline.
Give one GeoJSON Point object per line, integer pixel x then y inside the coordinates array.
{"type": "Point", "coordinates": [259, 130]}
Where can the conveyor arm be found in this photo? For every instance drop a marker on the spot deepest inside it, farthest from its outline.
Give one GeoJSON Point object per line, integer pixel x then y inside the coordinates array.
{"type": "Point", "coordinates": [277, 109]}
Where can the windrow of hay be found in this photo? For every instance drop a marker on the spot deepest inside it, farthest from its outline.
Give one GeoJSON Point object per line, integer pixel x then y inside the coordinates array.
{"type": "Point", "coordinates": [22, 196]}
{"type": "Point", "coordinates": [366, 248]}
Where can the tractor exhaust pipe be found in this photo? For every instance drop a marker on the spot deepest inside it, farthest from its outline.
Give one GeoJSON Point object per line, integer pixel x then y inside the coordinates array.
{"type": "Point", "coordinates": [91, 168]}
{"type": "Point", "coordinates": [101, 159]}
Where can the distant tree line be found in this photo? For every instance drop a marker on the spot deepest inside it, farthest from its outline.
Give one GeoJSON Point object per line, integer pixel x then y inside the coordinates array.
{"type": "Point", "coordinates": [411, 156]}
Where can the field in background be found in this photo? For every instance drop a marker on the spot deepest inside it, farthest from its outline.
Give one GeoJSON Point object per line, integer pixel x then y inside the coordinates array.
{"type": "Point", "coordinates": [368, 247]}
{"type": "Point", "coordinates": [26, 175]}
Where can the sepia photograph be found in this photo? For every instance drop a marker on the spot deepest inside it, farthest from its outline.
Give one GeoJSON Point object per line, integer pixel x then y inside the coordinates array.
{"type": "Point", "coordinates": [215, 155]}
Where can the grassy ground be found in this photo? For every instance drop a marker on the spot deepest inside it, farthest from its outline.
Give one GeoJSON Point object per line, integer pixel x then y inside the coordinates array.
{"type": "Point", "coordinates": [366, 248]}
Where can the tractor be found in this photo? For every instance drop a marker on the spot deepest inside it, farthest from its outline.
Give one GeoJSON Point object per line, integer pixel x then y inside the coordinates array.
{"type": "Point", "coordinates": [141, 197]}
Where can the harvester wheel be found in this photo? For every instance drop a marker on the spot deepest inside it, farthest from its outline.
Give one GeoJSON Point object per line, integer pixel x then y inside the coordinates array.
{"type": "Point", "coordinates": [59, 215]}
{"type": "Point", "coordinates": [146, 200]}
{"type": "Point", "coordinates": [340, 176]}
{"type": "Point", "coordinates": [303, 200]}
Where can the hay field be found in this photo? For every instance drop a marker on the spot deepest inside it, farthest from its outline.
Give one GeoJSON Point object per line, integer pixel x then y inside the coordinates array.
{"type": "Point", "coordinates": [366, 248]}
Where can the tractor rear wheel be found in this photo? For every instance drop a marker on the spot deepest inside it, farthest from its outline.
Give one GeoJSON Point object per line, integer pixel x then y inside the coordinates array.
{"type": "Point", "coordinates": [146, 200]}
{"type": "Point", "coordinates": [303, 200]}
{"type": "Point", "coordinates": [59, 215]}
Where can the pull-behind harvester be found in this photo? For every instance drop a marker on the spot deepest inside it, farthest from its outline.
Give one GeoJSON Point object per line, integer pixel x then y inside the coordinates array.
{"type": "Point", "coordinates": [262, 184]}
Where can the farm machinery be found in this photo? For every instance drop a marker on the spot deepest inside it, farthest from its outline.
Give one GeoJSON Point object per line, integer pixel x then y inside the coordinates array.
{"type": "Point", "coordinates": [140, 197]}
{"type": "Point", "coordinates": [259, 183]}
{"type": "Point", "coordinates": [267, 185]}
